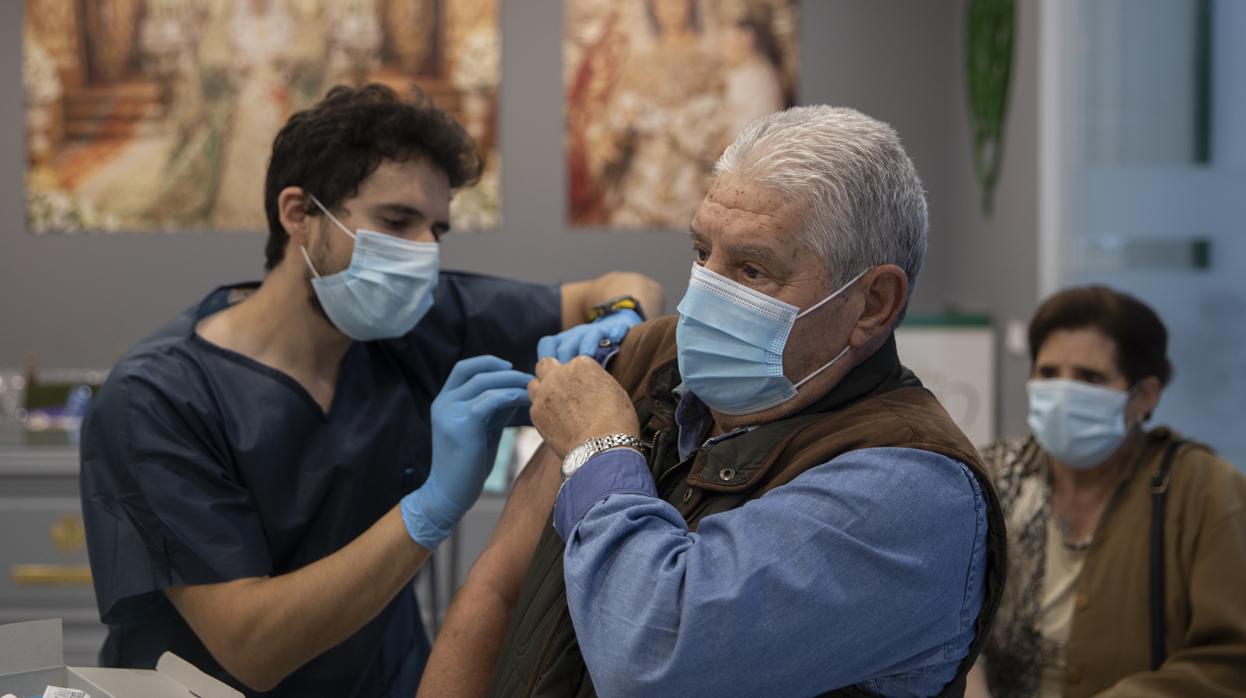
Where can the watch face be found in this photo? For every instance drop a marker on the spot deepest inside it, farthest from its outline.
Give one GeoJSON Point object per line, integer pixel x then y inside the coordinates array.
{"type": "Point", "coordinates": [574, 460]}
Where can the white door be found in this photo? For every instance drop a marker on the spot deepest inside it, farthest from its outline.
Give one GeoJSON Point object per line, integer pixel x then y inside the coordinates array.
{"type": "Point", "coordinates": [1144, 152]}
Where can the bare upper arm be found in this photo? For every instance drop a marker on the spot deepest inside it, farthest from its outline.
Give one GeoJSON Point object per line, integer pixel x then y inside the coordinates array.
{"type": "Point", "coordinates": [578, 297]}
{"type": "Point", "coordinates": [575, 296]}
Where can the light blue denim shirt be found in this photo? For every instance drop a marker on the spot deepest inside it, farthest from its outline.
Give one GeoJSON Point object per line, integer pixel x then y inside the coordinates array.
{"type": "Point", "coordinates": [866, 570]}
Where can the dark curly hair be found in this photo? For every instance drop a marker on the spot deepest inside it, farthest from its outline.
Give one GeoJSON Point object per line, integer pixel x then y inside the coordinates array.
{"type": "Point", "coordinates": [1140, 336]}
{"type": "Point", "coordinates": [331, 148]}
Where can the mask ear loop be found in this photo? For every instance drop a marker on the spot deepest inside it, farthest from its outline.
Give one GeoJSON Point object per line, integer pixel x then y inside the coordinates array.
{"type": "Point", "coordinates": [814, 307]}
{"type": "Point", "coordinates": [1129, 395]}
{"type": "Point", "coordinates": [333, 218]}
{"type": "Point", "coordinates": [308, 260]}
{"type": "Point", "coordinates": [825, 366]}
{"type": "Point", "coordinates": [831, 297]}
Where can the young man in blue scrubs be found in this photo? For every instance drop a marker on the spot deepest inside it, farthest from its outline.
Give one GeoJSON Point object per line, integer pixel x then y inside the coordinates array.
{"type": "Point", "coordinates": [262, 477]}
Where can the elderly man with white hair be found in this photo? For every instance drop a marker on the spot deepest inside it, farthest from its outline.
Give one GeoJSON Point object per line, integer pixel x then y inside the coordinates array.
{"type": "Point", "coordinates": [757, 499]}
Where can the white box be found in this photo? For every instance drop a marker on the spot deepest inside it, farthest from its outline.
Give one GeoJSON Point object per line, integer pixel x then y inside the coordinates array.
{"type": "Point", "coordinates": [32, 658]}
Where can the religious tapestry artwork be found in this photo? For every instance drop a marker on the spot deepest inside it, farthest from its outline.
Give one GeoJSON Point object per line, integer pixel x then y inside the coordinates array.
{"type": "Point", "coordinates": [159, 115]}
{"type": "Point", "coordinates": [655, 90]}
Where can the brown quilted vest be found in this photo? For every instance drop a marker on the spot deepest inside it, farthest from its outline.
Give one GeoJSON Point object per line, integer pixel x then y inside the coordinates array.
{"type": "Point", "coordinates": [878, 404]}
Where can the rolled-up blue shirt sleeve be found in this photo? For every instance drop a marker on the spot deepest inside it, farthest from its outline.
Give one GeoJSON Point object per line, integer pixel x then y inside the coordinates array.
{"type": "Point", "coordinates": [614, 472]}
{"type": "Point", "coordinates": [866, 570]}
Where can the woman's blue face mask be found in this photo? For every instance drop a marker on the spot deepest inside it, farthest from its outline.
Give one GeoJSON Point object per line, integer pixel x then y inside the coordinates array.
{"type": "Point", "coordinates": [386, 289]}
{"type": "Point", "coordinates": [1077, 423]}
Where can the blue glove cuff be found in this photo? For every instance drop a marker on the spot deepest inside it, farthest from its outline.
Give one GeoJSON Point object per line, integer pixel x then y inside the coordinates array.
{"type": "Point", "coordinates": [429, 514]}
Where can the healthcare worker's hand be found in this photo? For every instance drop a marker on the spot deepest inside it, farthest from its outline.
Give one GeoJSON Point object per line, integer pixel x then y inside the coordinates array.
{"type": "Point", "coordinates": [479, 398]}
{"type": "Point", "coordinates": [577, 401]}
{"type": "Point", "coordinates": [584, 339]}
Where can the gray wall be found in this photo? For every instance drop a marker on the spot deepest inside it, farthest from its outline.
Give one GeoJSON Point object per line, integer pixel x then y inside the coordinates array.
{"type": "Point", "coordinates": [996, 268]}
{"type": "Point", "coordinates": [80, 301]}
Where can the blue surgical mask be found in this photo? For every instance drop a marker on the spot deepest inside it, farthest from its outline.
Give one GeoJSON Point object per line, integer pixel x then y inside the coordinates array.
{"type": "Point", "coordinates": [731, 340]}
{"type": "Point", "coordinates": [1078, 424]}
{"type": "Point", "coordinates": [386, 289]}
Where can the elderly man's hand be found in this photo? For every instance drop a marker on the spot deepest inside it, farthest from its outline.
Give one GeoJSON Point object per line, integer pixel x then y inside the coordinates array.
{"type": "Point", "coordinates": [577, 401]}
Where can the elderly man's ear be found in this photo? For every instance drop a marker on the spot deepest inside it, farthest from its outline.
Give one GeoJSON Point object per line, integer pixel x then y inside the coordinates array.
{"type": "Point", "coordinates": [886, 295]}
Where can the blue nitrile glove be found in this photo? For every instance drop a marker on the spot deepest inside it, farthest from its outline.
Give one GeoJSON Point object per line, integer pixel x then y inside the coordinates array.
{"type": "Point", "coordinates": [584, 339]}
{"type": "Point", "coordinates": [476, 403]}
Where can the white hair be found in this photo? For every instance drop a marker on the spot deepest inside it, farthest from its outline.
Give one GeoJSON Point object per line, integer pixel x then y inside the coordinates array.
{"type": "Point", "coordinates": [866, 201]}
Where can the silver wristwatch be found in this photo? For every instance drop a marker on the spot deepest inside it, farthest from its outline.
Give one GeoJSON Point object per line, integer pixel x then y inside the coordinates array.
{"type": "Point", "coordinates": [580, 454]}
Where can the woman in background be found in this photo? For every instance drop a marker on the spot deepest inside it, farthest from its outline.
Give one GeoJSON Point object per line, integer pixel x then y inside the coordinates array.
{"type": "Point", "coordinates": [1079, 494]}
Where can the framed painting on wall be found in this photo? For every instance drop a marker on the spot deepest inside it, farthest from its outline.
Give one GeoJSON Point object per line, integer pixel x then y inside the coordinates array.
{"type": "Point", "coordinates": [655, 90]}
{"type": "Point", "coordinates": [159, 115]}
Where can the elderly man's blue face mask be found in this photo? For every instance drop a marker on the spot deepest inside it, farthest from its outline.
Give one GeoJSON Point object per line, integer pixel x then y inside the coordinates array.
{"type": "Point", "coordinates": [731, 340]}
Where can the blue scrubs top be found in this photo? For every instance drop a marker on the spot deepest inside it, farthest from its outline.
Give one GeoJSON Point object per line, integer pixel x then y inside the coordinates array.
{"type": "Point", "coordinates": [200, 465]}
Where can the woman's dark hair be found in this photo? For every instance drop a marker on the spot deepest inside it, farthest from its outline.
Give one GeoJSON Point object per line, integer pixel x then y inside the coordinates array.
{"type": "Point", "coordinates": [331, 148]}
{"type": "Point", "coordinates": [1141, 338]}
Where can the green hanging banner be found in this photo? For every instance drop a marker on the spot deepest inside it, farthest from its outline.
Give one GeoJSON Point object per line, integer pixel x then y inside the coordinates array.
{"type": "Point", "coordinates": [989, 32]}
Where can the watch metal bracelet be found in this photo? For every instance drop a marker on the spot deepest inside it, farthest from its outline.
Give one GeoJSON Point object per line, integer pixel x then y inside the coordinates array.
{"type": "Point", "coordinates": [594, 446]}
